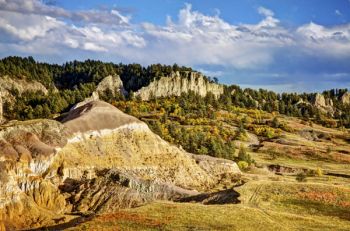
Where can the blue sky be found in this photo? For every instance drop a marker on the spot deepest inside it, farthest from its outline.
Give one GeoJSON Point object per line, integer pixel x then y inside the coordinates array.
{"type": "Point", "coordinates": [289, 11]}
{"type": "Point", "coordinates": [280, 45]}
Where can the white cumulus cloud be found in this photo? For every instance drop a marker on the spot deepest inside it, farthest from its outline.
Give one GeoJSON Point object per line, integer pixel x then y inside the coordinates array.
{"type": "Point", "coordinates": [192, 38]}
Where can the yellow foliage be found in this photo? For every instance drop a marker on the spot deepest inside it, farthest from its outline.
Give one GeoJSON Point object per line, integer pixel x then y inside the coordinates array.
{"type": "Point", "coordinates": [242, 165]}
{"type": "Point", "coordinates": [266, 131]}
{"type": "Point", "coordinates": [319, 172]}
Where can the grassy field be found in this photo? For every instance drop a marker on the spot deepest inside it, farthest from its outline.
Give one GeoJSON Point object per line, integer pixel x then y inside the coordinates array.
{"type": "Point", "coordinates": [266, 205]}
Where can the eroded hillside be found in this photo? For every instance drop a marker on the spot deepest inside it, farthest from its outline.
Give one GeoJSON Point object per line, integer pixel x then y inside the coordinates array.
{"type": "Point", "coordinates": [98, 160]}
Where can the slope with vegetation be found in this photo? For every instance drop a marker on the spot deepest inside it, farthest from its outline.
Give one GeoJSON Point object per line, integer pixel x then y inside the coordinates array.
{"type": "Point", "coordinates": [71, 82]}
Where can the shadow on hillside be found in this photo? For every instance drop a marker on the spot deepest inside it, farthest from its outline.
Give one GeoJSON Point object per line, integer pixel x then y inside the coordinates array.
{"type": "Point", "coordinates": [228, 196]}
{"type": "Point", "coordinates": [72, 223]}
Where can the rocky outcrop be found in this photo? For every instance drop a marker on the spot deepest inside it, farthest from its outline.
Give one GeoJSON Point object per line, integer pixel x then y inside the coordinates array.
{"type": "Point", "coordinates": [323, 104]}
{"type": "Point", "coordinates": [109, 86]}
{"type": "Point", "coordinates": [177, 84]}
{"type": "Point", "coordinates": [8, 84]}
{"type": "Point", "coordinates": [27, 191]}
{"type": "Point", "coordinates": [113, 84]}
{"type": "Point", "coordinates": [1, 109]}
{"type": "Point", "coordinates": [98, 160]}
{"type": "Point", "coordinates": [106, 137]}
{"type": "Point", "coordinates": [345, 99]}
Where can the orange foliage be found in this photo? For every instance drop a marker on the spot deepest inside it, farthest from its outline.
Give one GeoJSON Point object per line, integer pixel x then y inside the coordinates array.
{"type": "Point", "coordinates": [131, 217]}
{"type": "Point", "coordinates": [324, 197]}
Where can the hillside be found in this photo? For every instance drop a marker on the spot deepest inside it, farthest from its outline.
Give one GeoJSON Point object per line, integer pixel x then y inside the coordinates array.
{"type": "Point", "coordinates": [74, 81]}
{"type": "Point", "coordinates": [98, 160]}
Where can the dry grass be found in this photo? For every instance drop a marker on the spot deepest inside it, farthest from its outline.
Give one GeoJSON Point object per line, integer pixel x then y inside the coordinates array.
{"type": "Point", "coordinates": [266, 205]}
{"type": "Point", "coordinates": [172, 216]}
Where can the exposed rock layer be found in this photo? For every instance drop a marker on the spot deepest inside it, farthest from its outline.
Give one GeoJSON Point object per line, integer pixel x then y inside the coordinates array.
{"type": "Point", "coordinates": [1, 109]}
{"type": "Point", "coordinates": [345, 99]}
{"type": "Point", "coordinates": [98, 160]}
{"type": "Point", "coordinates": [8, 85]}
{"type": "Point", "coordinates": [113, 84]}
{"type": "Point", "coordinates": [176, 85]}
{"type": "Point", "coordinates": [323, 104]}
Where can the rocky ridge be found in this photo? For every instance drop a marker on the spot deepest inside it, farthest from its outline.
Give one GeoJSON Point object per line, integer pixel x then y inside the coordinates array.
{"type": "Point", "coordinates": [97, 160]}
{"type": "Point", "coordinates": [175, 85]}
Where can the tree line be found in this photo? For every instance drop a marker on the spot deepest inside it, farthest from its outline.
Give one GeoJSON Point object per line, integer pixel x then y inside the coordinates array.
{"type": "Point", "coordinates": [73, 81]}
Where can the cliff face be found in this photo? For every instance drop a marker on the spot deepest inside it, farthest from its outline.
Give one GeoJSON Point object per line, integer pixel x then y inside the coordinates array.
{"type": "Point", "coordinates": [1, 109]}
{"type": "Point", "coordinates": [8, 84]}
{"type": "Point", "coordinates": [111, 83]}
{"type": "Point", "coordinates": [325, 105]}
{"type": "Point", "coordinates": [27, 189]}
{"type": "Point", "coordinates": [98, 160]}
{"type": "Point", "coordinates": [176, 84]}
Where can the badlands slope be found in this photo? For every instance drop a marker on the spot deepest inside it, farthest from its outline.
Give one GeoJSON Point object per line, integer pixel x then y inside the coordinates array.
{"type": "Point", "coordinates": [97, 160]}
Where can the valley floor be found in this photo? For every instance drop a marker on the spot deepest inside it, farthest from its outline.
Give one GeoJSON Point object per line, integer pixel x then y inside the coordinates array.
{"type": "Point", "coordinates": [177, 216]}
{"type": "Point", "coordinates": [266, 204]}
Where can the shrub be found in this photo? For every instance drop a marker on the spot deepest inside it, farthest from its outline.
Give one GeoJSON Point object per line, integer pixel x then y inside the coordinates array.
{"type": "Point", "coordinates": [244, 156]}
{"type": "Point", "coordinates": [275, 122]}
{"type": "Point", "coordinates": [267, 132]}
{"type": "Point", "coordinates": [319, 172]}
{"type": "Point", "coordinates": [243, 165]}
{"type": "Point", "coordinates": [301, 177]}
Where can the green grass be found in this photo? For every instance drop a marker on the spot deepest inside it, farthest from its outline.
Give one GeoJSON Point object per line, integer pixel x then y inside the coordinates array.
{"type": "Point", "coordinates": [265, 205]}
{"type": "Point", "coordinates": [175, 216]}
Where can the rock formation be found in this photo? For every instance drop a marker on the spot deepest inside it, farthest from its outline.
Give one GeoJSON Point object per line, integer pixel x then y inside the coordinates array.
{"type": "Point", "coordinates": [27, 190]}
{"type": "Point", "coordinates": [1, 109]}
{"type": "Point", "coordinates": [322, 103]}
{"type": "Point", "coordinates": [177, 84]}
{"type": "Point", "coordinates": [8, 84]}
{"type": "Point", "coordinates": [345, 99]}
{"type": "Point", "coordinates": [97, 160]}
{"type": "Point", "coordinates": [111, 83]}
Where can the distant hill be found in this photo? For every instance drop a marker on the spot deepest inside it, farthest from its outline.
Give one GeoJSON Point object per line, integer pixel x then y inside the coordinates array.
{"type": "Point", "coordinates": [62, 86]}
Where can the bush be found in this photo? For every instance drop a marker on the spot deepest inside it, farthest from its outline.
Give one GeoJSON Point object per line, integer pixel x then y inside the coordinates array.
{"type": "Point", "coordinates": [242, 165]}
{"type": "Point", "coordinates": [301, 177]}
{"type": "Point", "coordinates": [319, 172]}
{"type": "Point", "coordinates": [244, 156]}
{"type": "Point", "coordinates": [267, 132]}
